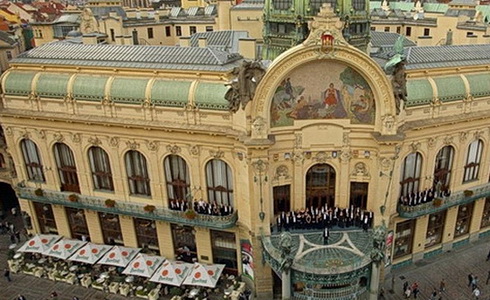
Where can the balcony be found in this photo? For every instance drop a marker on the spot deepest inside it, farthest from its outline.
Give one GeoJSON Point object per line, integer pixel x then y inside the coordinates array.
{"type": "Point", "coordinates": [440, 204]}
{"type": "Point", "coordinates": [127, 208]}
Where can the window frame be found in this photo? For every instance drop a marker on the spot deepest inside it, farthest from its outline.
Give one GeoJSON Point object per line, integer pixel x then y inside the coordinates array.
{"type": "Point", "coordinates": [220, 192]}
{"type": "Point", "coordinates": [177, 178]}
{"type": "Point", "coordinates": [67, 168]}
{"type": "Point", "coordinates": [410, 178]}
{"type": "Point", "coordinates": [100, 169]}
{"type": "Point", "coordinates": [443, 167]}
{"type": "Point", "coordinates": [32, 161]}
{"type": "Point", "coordinates": [471, 169]}
{"type": "Point", "coordinates": [139, 184]}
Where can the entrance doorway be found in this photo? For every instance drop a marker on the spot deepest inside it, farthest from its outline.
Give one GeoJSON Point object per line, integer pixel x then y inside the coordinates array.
{"type": "Point", "coordinates": [8, 198]}
{"type": "Point", "coordinates": [320, 186]}
{"type": "Point", "coordinates": [282, 198]}
{"type": "Point", "coordinates": [359, 194]}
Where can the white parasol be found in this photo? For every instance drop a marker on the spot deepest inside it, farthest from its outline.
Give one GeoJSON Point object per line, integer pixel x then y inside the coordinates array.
{"type": "Point", "coordinates": [90, 253]}
{"type": "Point", "coordinates": [172, 273]}
{"type": "Point", "coordinates": [119, 256]}
{"type": "Point", "coordinates": [204, 275]}
{"type": "Point", "coordinates": [39, 243]}
{"type": "Point", "coordinates": [64, 248]}
{"type": "Point", "coordinates": [144, 265]}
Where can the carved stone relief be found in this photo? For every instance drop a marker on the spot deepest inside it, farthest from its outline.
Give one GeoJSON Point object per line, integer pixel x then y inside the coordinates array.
{"type": "Point", "coordinates": [448, 140]}
{"type": "Point", "coordinates": [282, 172]}
{"type": "Point", "coordinates": [94, 140]}
{"type": "Point", "coordinates": [153, 145]}
{"type": "Point", "coordinates": [431, 142]}
{"type": "Point", "coordinates": [414, 146]}
{"type": "Point", "coordinates": [194, 150]}
{"type": "Point", "coordinates": [133, 145]}
{"type": "Point", "coordinates": [360, 169]}
{"type": "Point", "coordinates": [76, 137]}
{"type": "Point", "coordinates": [174, 149]}
{"type": "Point", "coordinates": [216, 153]}
{"type": "Point", "coordinates": [114, 141]}
{"type": "Point", "coordinates": [41, 134]}
{"type": "Point", "coordinates": [58, 137]}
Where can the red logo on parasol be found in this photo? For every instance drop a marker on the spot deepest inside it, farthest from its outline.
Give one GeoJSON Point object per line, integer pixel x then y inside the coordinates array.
{"type": "Point", "coordinates": [124, 253]}
{"type": "Point", "coordinates": [32, 243]}
{"type": "Point", "coordinates": [44, 241]}
{"type": "Point", "coordinates": [210, 272]}
{"type": "Point", "coordinates": [149, 263]}
{"type": "Point", "coordinates": [178, 271]}
{"type": "Point", "coordinates": [95, 251]}
{"type": "Point", "coordinates": [82, 252]}
{"type": "Point", "coordinates": [56, 247]}
{"type": "Point", "coordinates": [136, 265]}
{"type": "Point", "coordinates": [67, 246]}
{"type": "Point", "coordinates": [112, 255]}
{"type": "Point", "coordinates": [165, 273]}
{"type": "Point", "coordinates": [197, 275]}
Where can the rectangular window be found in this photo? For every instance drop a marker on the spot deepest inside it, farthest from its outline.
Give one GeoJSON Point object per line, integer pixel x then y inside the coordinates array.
{"type": "Point", "coordinates": [45, 217]}
{"type": "Point", "coordinates": [111, 229]}
{"type": "Point", "coordinates": [387, 29]}
{"type": "Point", "coordinates": [435, 229]}
{"type": "Point", "coordinates": [408, 31]}
{"type": "Point", "coordinates": [359, 194]}
{"type": "Point", "coordinates": [184, 242]}
{"type": "Point", "coordinates": [168, 31]}
{"type": "Point", "coordinates": [9, 54]}
{"type": "Point", "coordinates": [178, 31]}
{"type": "Point", "coordinates": [463, 220]}
{"type": "Point", "coordinates": [77, 223]}
{"type": "Point", "coordinates": [146, 234]}
{"type": "Point", "coordinates": [224, 250]}
{"type": "Point", "coordinates": [468, 34]}
{"type": "Point", "coordinates": [373, 28]}
{"type": "Point", "coordinates": [398, 29]}
{"type": "Point", "coordinates": [209, 28]}
{"type": "Point", "coordinates": [113, 35]}
{"type": "Point", "coordinates": [192, 29]}
{"type": "Point", "coordinates": [485, 220]}
{"type": "Point", "coordinates": [426, 31]}
{"type": "Point", "coordinates": [404, 238]}
{"type": "Point", "coordinates": [150, 32]}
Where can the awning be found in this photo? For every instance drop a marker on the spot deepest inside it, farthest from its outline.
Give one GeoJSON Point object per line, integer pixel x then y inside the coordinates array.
{"type": "Point", "coordinates": [64, 248]}
{"type": "Point", "coordinates": [172, 273]}
{"type": "Point", "coordinates": [39, 243]}
{"type": "Point", "coordinates": [204, 275]}
{"type": "Point", "coordinates": [90, 253]}
{"type": "Point", "coordinates": [144, 265]}
{"type": "Point", "coordinates": [119, 256]}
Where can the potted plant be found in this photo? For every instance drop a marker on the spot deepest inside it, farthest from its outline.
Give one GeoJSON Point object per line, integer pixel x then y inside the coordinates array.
{"type": "Point", "coordinates": [437, 202]}
{"type": "Point", "coordinates": [73, 198]}
{"type": "Point", "coordinates": [468, 193]}
{"type": "Point", "coordinates": [149, 208]}
{"type": "Point", "coordinates": [110, 203]}
{"type": "Point", "coordinates": [39, 192]}
{"type": "Point", "coordinates": [190, 214]}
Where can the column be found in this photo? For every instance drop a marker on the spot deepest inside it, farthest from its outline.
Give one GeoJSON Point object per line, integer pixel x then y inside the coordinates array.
{"type": "Point", "coordinates": [94, 228]}
{"type": "Point", "coordinates": [374, 286]}
{"type": "Point", "coordinates": [128, 231]}
{"type": "Point", "coordinates": [286, 285]}
{"type": "Point", "coordinates": [61, 220]}
{"type": "Point", "coordinates": [165, 240]}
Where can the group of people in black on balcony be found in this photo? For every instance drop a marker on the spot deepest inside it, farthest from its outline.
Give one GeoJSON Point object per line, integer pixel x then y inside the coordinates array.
{"type": "Point", "coordinates": [202, 207]}
{"type": "Point", "coordinates": [324, 217]}
{"type": "Point", "coordinates": [427, 195]}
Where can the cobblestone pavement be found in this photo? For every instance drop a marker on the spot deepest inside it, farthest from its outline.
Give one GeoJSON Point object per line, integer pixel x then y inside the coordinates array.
{"type": "Point", "coordinates": [453, 266]}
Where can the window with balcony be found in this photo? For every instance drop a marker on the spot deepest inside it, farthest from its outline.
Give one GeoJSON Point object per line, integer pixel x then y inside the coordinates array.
{"type": "Point", "coordinates": [146, 234]}
{"type": "Point", "coordinates": [435, 229]}
{"type": "Point", "coordinates": [224, 248]}
{"type": "Point", "coordinates": [67, 169]}
{"type": "Point", "coordinates": [485, 220]}
{"type": "Point", "coordinates": [32, 160]}
{"type": "Point", "coordinates": [410, 175]}
{"type": "Point", "coordinates": [320, 186]}
{"type": "Point", "coordinates": [177, 178]}
{"type": "Point", "coordinates": [136, 169]}
{"type": "Point", "coordinates": [404, 238]}
{"type": "Point", "coordinates": [473, 159]}
{"type": "Point", "coordinates": [101, 169]}
{"type": "Point", "coordinates": [219, 182]}
{"type": "Point", "coordinates": [443, 166]}
{"type": "Point", "coordinates": [111, 229]}
{"type": "Point", "coordinates": [463, 220]}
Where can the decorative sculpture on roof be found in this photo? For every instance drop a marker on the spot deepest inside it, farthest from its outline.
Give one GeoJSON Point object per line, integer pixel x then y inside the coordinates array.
{"type": "Point", "coordinates": [396, 66]}
{"type": "Point", "coordinates": [379, 243]}
{"type": "Point", "coordinates": [287, 257]}
{"type": "Point", "coordinates": [242, 87]}
{"type": "Point", "coordinates": [88, 21]}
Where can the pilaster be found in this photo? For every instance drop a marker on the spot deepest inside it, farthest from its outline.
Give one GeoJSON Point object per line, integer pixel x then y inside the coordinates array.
{"type": "Point", "coordinates": [94, 228]}
{"type": "Point", "coordinates": [165, 241]}
{"type": "Point", "coordinates": [203, 244]}
{"type": "Point", "coordinates": [61, 220]}
{"type": "Point", "coordinates": [128, 231]}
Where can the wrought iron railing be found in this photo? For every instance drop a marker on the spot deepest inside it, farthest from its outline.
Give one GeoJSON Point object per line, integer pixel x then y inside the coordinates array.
{"type": "Point", "coordinates": [127, 208]}
{"type": "Point", "coordinates": [440, 204]}
{"type": "Point", "coordinates": [344, 293]}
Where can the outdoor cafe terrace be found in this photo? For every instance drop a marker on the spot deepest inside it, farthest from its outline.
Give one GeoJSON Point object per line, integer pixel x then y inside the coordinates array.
{"type": "Point", "coordinates": [122, 270]}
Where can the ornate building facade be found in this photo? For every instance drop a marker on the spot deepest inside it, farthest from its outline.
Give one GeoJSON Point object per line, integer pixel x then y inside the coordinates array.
{"type": "Point", "coordinates": [160, 131]}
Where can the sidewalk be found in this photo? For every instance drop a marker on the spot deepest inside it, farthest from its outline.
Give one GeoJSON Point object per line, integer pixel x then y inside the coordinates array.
{"type": "Point", "coordinates": [453, 266]}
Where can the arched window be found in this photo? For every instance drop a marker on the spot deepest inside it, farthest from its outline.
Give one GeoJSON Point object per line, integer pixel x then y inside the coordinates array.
{"type": "Point", "coordinates": [138, 179]}
{"type": "Point", "coordinates": [410, 176]}
{"type": "Point", "coordinates": [220, 182]}
{"type": "Point", "coordinates": [67, 169]}
{"type": "Point", "coordinates": [177, 177]}
{"type": "Point", "coordinates": [32, 160]}
{"type": "Point", "coordinates": [101, 169]}
{"type": "Point", "coordinates": [473, 159]}
{"type": "Point", "coordinates": [442, 170]}
{"type": "Point", "coordinates": [320, 186]}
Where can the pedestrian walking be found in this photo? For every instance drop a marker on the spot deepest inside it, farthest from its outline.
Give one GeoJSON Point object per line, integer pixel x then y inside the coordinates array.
{"type": "Point", "coordinates": [17, 236]}
{"type": "Point", "coordinates": [488, 255]}
{"type": "Point", "coordinates": [75, 298]}
{"type": "Point", "coordinates": [408, 292]}
{"type": "Point", "coordinates": [442, 286]}
{"type": "Point", "coordinates": [405, 286]}
{"type": "Point", "coordinates": [6, 273]}
{"type": "Point", "coordinates": [54, 295]}
{"type": "Point", "coordinates": [326, 235]}
{"type": "Point", "coordinates": [488, 277]}
{"type": "Point", "coordinates": [14, 211]}
{"type": "Point", "coordinates": [470, 279]}
{"type": "Point", "coordinates": [433, 296]}
{"type": "Point", "coordinates": [12, 238]}
{"type": "Point", "coordinates": [21, 297]}
{"type": "Point", "coordinates": [415, 289]}
{"type": "Point", "coordinates": [474, 282]}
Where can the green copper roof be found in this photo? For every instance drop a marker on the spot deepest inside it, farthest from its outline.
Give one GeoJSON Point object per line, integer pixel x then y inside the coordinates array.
{"type": "Point", "coordinates": [436, 7]}
{"type": "Point", "coordinates": [88, 87]}
{"type": "Point", "coordinates": [479, 84]}
{"type": "Point", "coordinates": [211, 96]}
{"type": "Point", "coordinates": [170, 93]}
{"type": "Point", "coordinates": [405, 6]}
{"type": "Point", "coordinates": [18, 83]}
{"type": "Point", "coordinates": [450, 88]}
{"type": "Point", "coordinates": [52, 85]}
{"type": "Point", "coordinates": [419, 92]}
{"type": "Point", "coordinates": [129, 90]}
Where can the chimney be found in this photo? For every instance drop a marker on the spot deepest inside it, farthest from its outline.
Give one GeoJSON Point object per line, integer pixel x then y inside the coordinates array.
{"type": "Point", "coordinates": [203, 43]}
{"type": "Point", "coordinates": [185, 41]}
{"type": "Point", "coordinates": [247, 48]}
